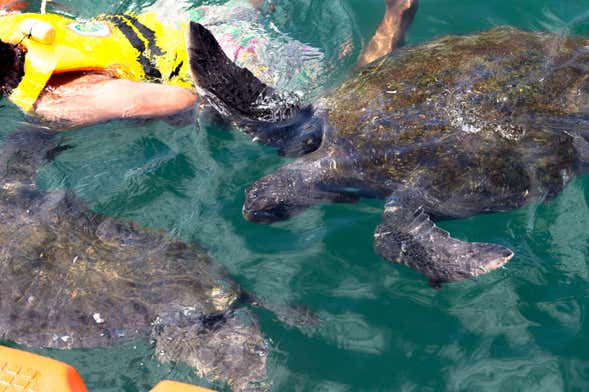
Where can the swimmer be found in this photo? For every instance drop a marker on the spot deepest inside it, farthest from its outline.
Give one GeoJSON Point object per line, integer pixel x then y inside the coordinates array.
{"type": "Point", "coordinates": [82, 72]}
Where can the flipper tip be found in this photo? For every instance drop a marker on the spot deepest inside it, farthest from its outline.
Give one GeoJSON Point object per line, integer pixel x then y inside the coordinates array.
{"type": "Point", "coordinates": [441, 258]}
{"type": "Point", "coordinates": [232, 90]}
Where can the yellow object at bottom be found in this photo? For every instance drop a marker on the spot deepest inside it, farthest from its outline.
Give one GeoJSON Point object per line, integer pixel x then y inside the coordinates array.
{"type": "Point", "coordinates": [173, 386]}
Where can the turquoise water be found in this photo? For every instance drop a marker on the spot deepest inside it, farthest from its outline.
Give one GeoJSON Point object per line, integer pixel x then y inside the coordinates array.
{"type": "Point", "coordinates": [381, 328]}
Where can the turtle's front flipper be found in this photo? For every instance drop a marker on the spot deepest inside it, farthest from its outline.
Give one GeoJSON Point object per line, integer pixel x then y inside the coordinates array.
{"type": "Point", "coordinates": [272, 118]}
{"type": "Point", "coordinates": [231, 89]}
{"type": "Point", "coordinates": [408, 236]}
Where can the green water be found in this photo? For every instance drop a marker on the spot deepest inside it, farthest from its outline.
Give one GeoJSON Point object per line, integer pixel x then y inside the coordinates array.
{"type": "Point", "coordinates": [381, 328]}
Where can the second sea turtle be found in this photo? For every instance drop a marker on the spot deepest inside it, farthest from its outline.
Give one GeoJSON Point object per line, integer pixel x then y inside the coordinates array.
{"type": "Point", "coordinates": [73, 278]}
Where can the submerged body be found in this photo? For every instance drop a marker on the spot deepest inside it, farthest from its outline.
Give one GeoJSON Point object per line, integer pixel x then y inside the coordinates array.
{"type": "Point", "coordinates": [460, 126]}
{"type": "Point", "coordinates": [72, 278]}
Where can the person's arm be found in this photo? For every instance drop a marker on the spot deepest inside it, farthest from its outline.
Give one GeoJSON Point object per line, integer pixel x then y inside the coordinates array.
{"type": "Point", "coordinates": [86, 101]}
{"type": "Point", "coordinates": [391, 31]}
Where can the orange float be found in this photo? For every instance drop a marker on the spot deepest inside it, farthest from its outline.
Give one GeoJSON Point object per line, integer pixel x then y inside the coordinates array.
{"type": "Point", "coordinates": [21, 371]}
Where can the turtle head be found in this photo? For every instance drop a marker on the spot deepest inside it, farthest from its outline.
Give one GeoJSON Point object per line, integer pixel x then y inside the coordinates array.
{"type": "Point", "coordinates": [291, 190]}
{"type": "Point", "coordinates": [275, 197]}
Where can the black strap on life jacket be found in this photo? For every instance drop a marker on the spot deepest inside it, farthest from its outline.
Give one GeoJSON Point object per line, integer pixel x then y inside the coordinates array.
{"type": "Point", "coordinates": [138, 34]}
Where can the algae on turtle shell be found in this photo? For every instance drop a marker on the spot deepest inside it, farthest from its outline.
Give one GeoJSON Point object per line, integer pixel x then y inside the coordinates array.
{"type": "Point", "coordinates": [460, 126]}
{"type": "Point", "coordinates": [73, 278]}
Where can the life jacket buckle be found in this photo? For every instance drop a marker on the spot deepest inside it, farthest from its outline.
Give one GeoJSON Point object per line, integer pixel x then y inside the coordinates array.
{"type": "Point", "coordinates": [39, 31]}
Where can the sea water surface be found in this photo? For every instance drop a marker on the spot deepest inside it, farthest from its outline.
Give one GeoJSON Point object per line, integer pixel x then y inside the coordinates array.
{"type": "Point", "coordinates": [380, 327]}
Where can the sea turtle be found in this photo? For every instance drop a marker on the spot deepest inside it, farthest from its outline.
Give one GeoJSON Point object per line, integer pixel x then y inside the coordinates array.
{"type": "Point", "coordinates": [460, 126]}
{"type": "Point", "coordinates": [73, 278]}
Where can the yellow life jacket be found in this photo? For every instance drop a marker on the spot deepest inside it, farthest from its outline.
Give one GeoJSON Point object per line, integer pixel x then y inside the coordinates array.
{"type": "Point", "coordinates": [134, 47]}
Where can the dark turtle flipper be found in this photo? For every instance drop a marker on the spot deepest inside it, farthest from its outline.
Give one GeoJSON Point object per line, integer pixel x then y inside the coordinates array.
{"type": "Point", "coordinates": [231, 89]}
{"type": "Point", "coordinates": [408, 236]}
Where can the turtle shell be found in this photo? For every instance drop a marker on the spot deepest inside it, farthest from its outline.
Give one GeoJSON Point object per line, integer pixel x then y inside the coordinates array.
{"type": "Point", "coordinates": [489, 114]}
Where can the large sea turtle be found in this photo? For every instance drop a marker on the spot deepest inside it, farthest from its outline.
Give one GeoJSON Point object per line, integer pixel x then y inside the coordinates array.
{"type": "Point", "coordinates": [72, 278]}
{"type": "Point", "coordinates": [460, 126]}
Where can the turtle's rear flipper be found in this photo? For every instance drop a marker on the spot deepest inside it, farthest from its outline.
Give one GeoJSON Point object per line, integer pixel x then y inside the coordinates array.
{"type": "Point", "coordinates": [408, 236]}
{"type": "Point", "coordinates": [231, 89]}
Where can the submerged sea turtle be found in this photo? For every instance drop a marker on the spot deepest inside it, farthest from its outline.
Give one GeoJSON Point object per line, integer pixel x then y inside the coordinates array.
{"type": "Point", "coordinates": [459, 126]}
{"type": "Point", "coordinates": [71, 278]}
